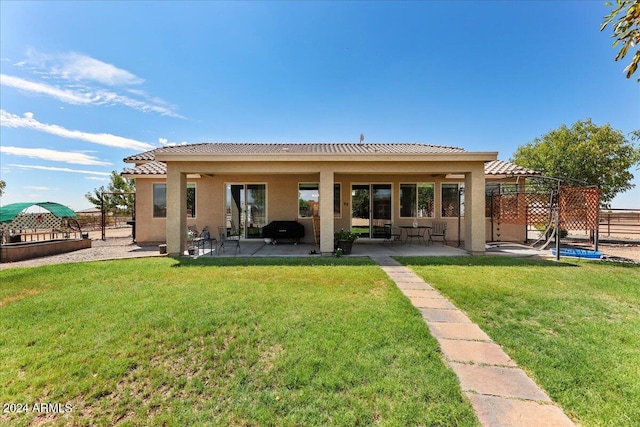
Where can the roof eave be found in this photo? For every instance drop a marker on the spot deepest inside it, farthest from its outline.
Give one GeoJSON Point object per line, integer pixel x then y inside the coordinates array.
{"type": "Point", "coordinates": [143, 175]}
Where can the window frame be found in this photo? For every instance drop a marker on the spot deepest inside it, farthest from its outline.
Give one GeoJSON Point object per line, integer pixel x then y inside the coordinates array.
{"type": "Point", "coordinates": [337, 200]}
{"type": "Point", "coordinates": [194, 213]}
{"type": "Point", "coordinates": [416, 201]}
{"type": "Point", "coordinates": [460, 204]}
{"type": "Point", "coordinates": [155, 185]}
{"type": "Point", "coordinates": [314, 211]}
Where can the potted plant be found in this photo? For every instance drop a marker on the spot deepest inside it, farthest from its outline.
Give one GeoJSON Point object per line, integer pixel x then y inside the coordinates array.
{"type": "Point", "coordinates": [190, 247]}
{"type": "Point", "coordinates": [344, 240]}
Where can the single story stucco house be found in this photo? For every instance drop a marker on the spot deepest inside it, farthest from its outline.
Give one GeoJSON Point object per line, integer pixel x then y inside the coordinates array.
{"type": "Point", "coordinates": [348, 185]}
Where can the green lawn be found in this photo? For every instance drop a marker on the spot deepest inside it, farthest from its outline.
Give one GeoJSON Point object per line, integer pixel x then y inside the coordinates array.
{"type": "Point", "coordinates": [220, 342]}
{"type": "Point", "coordinates": [574, 326]}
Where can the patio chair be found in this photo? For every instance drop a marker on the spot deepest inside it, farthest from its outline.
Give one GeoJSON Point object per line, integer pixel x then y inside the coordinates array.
{"type": "Point", "coordinates": [205, 237]}
{"type": "Point", "coordinates": [228, 235]}
{"type": "Point", "coordinates": [438, 229]}
{"type": "Point", "coordinates": [392, 234]}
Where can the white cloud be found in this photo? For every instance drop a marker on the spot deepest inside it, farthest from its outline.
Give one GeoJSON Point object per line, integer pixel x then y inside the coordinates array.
{"type": "Point", "coordinates": [78, 79]}
{"type": "Point", "coordinates": [34, 187]}
{"type": "Point", "coordinates": [78, 67]}
{"type": "Point", "coordinates": [89, 96]}
{"type": "Point", "coordinates": [13, 121]}
{"type": "Point", "coordinates": [53, 155]}
{"type": "Point", "coordinates": [55, 169]}
{"type": "Point", "coordinates": [96, 178]}
{"type": "Point", "coordinates": [64, 95]}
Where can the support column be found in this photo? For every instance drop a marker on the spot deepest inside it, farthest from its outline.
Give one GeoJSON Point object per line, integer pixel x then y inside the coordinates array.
{"type": "Point", "coordinates": [176, 211]}
{"type": "Point", "coordinates": [326, 212]}
{"type": "Point", "coordinates": [474, 220]}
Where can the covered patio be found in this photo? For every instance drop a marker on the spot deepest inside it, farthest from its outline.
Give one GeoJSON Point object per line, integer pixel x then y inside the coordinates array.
{"type": "Point", "coordinates": [363, 248]}
{"type": "Point", "coordinates": [244, 187]}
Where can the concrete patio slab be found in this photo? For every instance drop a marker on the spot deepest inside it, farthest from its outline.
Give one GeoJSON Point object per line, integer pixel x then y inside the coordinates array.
{"type": "Point", "coordinates": [486, 353]}
{"type": "Point", "coordinates": [444, 315]}
{"type": "Point", "coordinates": [499, 412]}
{"type": "Point", "coordinates": [458, 331]}
{"type": "Point", "coordinates": [498, 381]}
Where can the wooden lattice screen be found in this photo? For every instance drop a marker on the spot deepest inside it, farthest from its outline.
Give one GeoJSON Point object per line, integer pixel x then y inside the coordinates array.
{"type": "Point", "coordinates": [579, 208]}
{"type": "Point", "coordinates": [33, 221]}
{"type": "Point", "coordinates": [522, 208]}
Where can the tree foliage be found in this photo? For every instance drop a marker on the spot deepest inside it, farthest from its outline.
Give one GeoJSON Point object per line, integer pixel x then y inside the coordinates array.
{"type": "Point", "coordinates": [3, 185]}
{"type": "Point", "coordinates": [625, 19]}
{"type": "Point", "coordinates": [119, 203]}
{"type": "Point", "coordinates": [584, 154]}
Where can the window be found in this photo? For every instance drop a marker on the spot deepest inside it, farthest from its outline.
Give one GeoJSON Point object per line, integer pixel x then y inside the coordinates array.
{"type": "Point", "coordinates": [336, 201]}
{"type": "Point", "coordinates": [416, 200]}
{"type": "Point", "coordinates": [451, 200]}
{"type": "Point", "coordinates": [191, 200]}
{"type": "Point", "coordinates": [160, 200]}
{"type": "Point", "coordinates": [309, 198]}
{"type": "Point", "coordinates": [308, 195]}
{"type": "Point", "coordinates": [246, 208]}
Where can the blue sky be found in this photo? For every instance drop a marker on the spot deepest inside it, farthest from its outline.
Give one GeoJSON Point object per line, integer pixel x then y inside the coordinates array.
{"type": "Point", "coordinates": [85, 84]}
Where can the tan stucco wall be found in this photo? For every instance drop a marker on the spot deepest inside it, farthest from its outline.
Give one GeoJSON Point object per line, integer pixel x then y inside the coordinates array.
{"type": "Point", "coordinates": [282, 202]}
{"type": "Point", "coordinates": [148, 228]}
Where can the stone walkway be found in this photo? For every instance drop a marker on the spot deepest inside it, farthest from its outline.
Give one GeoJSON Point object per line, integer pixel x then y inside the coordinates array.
{"type": "Point", "coordinates": [501, 394]}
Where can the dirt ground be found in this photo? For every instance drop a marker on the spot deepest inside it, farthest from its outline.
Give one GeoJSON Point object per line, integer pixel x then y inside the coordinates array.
{"type": "Point", "coordinates": [118, 244]}
{"type": "Point", "coordinates": [623, 250]}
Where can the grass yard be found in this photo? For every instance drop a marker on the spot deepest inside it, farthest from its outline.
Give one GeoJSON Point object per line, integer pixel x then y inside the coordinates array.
{"type": "Point", "coordinates": [573, 326]}
{"type": "Point", "coordinates": [215, 342]}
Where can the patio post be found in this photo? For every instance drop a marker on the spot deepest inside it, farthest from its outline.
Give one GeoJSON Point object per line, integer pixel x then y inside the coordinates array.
{"type": "Point", "coordinates": [176, 211]}
{"type": "Point", "coordinates": [474, 201]}
{"type": "Point", "coordinates": [326, 211]}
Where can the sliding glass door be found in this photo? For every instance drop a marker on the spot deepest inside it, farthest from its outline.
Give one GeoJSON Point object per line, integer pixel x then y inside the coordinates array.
{"type": "Point", "coordinates": [370, 209]}
{"type": "Point", "coordinates": [246, 208]}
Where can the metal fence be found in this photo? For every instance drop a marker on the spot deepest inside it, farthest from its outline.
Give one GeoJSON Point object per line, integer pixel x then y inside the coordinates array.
{"type": "Point", "coordinates": [620, 223]}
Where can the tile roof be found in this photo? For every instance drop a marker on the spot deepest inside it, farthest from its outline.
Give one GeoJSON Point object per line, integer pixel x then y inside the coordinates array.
{"type": "Point", "coordinates": [308, 148]}
{"type": "Point", "coordinates": [149, 168]}
{"type": "Point", "coordinates": [147, 156]}
{"type": "Point", "coordinates": [500, 167]}
{"type": "Point", "coordinates": [297, 148]}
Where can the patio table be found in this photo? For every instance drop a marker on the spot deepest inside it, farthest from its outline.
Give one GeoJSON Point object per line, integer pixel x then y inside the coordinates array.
{"type": "Point", "coordinates": [201, 242]}
{"type": "Point", "coordinates": [417, 232]}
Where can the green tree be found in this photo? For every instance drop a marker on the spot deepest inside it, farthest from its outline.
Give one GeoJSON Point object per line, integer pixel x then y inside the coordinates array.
{"type": "Point", "coordinates": [118, 203]}
{"type": "Point", "coordinates": [3, 185]}
{"type": "Point", "coordinates": [584, 154]}
{"type": "Point", "coordinates": [625, 19]}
